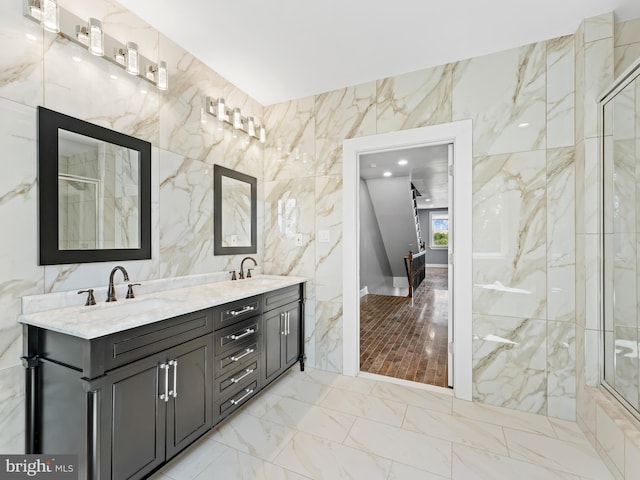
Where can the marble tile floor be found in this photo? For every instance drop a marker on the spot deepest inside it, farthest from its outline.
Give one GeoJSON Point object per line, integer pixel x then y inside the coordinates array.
{"type": "Point", "coordinates": [321, 425]}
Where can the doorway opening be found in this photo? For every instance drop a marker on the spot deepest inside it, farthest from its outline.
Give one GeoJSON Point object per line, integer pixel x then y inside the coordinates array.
{"type": "Point", "coordinates": [404, 276]}
{"type": "Point", "coordinates": [458, 134]}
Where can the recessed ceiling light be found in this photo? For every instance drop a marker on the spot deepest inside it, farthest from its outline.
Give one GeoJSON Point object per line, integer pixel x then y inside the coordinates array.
{"type": "Point", "coordinates": [523, 124]}
{"type": "Point", "coordinates": [387, 174]}
{"type": "Point", "coordinates": [402, 162]}
{"type": "Point", "coordinates": [427, 200]}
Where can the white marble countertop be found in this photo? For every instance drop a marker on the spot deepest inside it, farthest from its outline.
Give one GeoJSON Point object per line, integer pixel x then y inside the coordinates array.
{"type": "Point", "coordinates": [107, 318]}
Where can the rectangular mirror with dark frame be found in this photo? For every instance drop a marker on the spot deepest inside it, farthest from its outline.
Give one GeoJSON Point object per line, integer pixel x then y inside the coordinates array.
{"type": "Point", "coordinates": [94, 192]}
{"type": "Point", "coordinates": [235, 212]}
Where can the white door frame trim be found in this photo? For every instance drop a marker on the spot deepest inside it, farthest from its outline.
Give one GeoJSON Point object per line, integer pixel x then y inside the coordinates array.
{"type": "Point", "coordinates": [460, 134]}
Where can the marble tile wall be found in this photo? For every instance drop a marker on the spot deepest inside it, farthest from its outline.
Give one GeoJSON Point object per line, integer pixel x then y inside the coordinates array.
{"type": "Point", "coordinates": [37, 68]}
{"type": "Point", "coordinates": [626, 45]}
{"type": "Point", "coordinates": [522, 104]}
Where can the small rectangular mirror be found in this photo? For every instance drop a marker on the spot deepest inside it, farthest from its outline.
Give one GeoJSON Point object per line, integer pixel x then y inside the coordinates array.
{"type": "Point", "coordinates": [95, 192]}
{"type": "Point", "coordinates": [235, 202]}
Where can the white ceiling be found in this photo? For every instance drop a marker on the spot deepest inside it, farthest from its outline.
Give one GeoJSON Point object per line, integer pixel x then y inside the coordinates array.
{"type": "Point", "coordinates": [426, 167]}
{"type": "Point", "coordinates": [284, 49]}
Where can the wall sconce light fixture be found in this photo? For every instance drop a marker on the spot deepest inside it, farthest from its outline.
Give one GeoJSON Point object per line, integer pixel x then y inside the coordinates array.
{"type": "Point", "coordinates": [218, 109]}
{"type": "Point", "coordinates": [90, 35]}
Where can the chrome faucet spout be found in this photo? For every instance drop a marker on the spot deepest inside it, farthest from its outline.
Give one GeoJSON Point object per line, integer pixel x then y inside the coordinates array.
{"type": "Point", "coordinates": [111, 292]}
{"type": "Point", "coordinates": [255, 264]}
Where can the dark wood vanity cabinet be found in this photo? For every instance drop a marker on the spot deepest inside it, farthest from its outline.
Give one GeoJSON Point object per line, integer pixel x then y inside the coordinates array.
{"type": "Point", "coordinates": [128, 402]}
{"type": "Point", "coordinates": [124, 403]}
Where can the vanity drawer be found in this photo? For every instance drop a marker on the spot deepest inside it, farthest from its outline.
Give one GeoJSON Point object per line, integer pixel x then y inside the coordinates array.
{"type": "Point", "coordinates": [233, 312]}
{"type": "Point", "coordinates": [235, 359]}
{"type": "Point", "coordinates": [238, 397]}
{"type": "Point", "coordinates": [229, 338]}
{"type": "Point", "coordinates": [130, 345]}
{"type": "Point", "coordinates": [280, 297]}
{"type": "Point", "coordinates": [237, 376]}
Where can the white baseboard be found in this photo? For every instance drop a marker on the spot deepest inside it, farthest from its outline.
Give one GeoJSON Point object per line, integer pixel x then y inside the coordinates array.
{"type": "Point", "coordinates": [436, 265]}
{"type": "Point", "coordinates": [364, 291]}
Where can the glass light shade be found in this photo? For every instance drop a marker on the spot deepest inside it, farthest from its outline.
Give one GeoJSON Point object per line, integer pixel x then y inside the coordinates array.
{"type": "Point", "coordinates": [96, 37]}
{"type": "Point", "coordinates": [221, 109]}
{"type": "Point", "coordinates": [237, 119]}
{"type": "Point", "coordinates": [251, 127]}
{"type": "Point", "coordinates": [263, 134]}
{"type": "Point", "coordinates": [50, 16]}
{"type": "Point", "coordinates": [163, 76]}
{"type": "Point", "coordinates": [132, 64]}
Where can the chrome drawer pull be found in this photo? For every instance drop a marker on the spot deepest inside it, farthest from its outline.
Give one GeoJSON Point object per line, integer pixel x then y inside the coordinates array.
{"type": "Point", "coordinates": [248, 308]}
{"type": "Point", "coordinates": [248, 331]}
{"type": "Point", "coordinates": [246, 352]}
{"type": "Point", "coordinates": [174, 392]}
{"type": "Point", "coordinates": [247, 372]}
{"type": "Point", "coordinates": [165, 396]}
{"type": "Point", "coordinates": [236, 402]}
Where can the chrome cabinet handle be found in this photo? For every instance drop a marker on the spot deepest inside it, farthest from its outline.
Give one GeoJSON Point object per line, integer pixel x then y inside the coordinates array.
{"type": "Point", "coordinates": [165, 395]}
{"type": "Point", "coordinates": [248, 308]}
{"type": "Point", "coordinates": [248, 331]}
{"type": "Point", "coordinates": [246, 352]}
{"type": "Point", "coordinates": [247, 372]}
{"type": "Point", "coordinates": [288, 323]}
{"type": "Point", "coordinates": [283, 324]}
{"type": "Point", "coordinates": [236, 402]}
{"type": "Point", "coordinates": [174, 364]}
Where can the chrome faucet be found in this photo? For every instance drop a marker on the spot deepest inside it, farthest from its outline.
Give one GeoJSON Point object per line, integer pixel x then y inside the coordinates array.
{"type": "Point", "coordinates": [255, 264]}
{"type": "Point", "coordinates": [111, 292]}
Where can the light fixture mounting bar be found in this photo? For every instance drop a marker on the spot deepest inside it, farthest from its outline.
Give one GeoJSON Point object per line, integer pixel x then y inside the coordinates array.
{"type": "Point", "coordinates": [69, 27]}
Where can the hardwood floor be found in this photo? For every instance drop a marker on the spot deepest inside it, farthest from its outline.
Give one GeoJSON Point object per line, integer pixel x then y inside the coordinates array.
{"type": "Point", "coordinates": [407, 338]}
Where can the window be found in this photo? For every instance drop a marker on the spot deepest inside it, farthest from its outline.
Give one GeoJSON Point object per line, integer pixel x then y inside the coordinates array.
{"type": "Point", "coordinates": [438, 230]}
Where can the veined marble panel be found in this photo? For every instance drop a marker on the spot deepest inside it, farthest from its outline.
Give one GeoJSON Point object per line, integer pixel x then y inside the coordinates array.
{"type": "Point", "coordinates": [624, 56]}
{"type": "Point", "coordinates": [510, 362]}
{"type": "Point", "coordinates": [561, 234]}
{"type": "Point", "coordinates": [328, 336]}
{"type": "Point", "coordinates": [12, 401]}
{"type": "Point", "coordinates": [346, 113]}
{"type": "Point", "coordinates": [186, 216]}
{"type": "Point", "coordinates": [592, 258]}
{"type": "Point", "coordinates": [329, 220]}
{"type": "Point", "coordinates": [580, 91]}
{"type": "Point", "coordinates": [75, 83]}
{"type": "Point", "coordinates": [561, 370]}
{"type": "Point", "coordinates": [627, 32]}
{"type": "Point", "coordinates": [21, 60]}
{"type": "Point", "coordinates": [504, 94]}
{"type": "Point", "coordinates": [185, 128]}
{"type": "Point", "coordinates": [598, 75]}
{"type": "Point", "coordinates": [598, 27]}
{"type": "Point", "coordinates": [20, 274]}
{"type": "Point", "coordinates": [591, 349]}
{"type": "Point", "coordinates": [290, 148]}
{"type": "Point", "coordinates": [560, 92]}
{"type": "Point", "coordinates": [289, 212]}
{"type": "Point", "coordinates": [414, 99]}
{"type": "Point", "coordinates": [592, 189]}
{"type": "Point", "coordinates": [509, 235]}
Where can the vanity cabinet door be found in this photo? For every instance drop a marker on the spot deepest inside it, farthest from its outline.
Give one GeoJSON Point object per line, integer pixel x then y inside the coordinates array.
{"type": "Point", "coordinates": [292, 338]}
{"type": "Point", "coordinates": [138, 419]}
{"type": "Point", "coordinates": [281, 339]}
{"type": "Point", "coordinates": [190, 409]}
